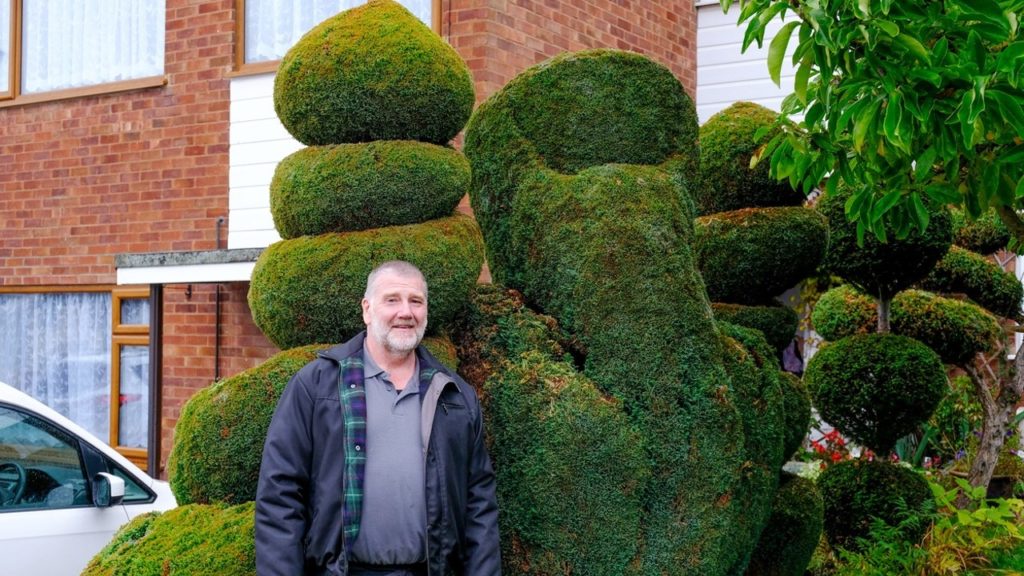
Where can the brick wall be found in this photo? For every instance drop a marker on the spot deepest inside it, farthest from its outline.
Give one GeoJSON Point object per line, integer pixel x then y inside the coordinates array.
{"type": "Point", "coordinates": [141, 171]}
{"type": "Point", "coordinates": [501, 38]}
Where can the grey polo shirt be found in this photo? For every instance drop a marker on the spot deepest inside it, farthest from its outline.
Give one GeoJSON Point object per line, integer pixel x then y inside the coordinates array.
{"type": "Point", "coordinates": [394, 521]}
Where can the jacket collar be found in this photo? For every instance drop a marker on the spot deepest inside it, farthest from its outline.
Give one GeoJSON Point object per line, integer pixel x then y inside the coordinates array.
{"type": "Point", "coordinates": [354, 347]}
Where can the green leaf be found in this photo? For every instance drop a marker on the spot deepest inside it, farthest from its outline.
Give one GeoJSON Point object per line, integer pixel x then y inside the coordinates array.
{"type": "Point", "coordinates": [924, 163]}
{"type": "Point", "coordinates": [777, 51]}
{"type": "Point", "coordinates": [920, 212]}
{"type": "Point", "coordinates": [888, 27]}
{"type": "Point", "coordinates": [942, 193]}
{"type": "Point", "coordinates": [865, 124]}
{"type": "Point", "coordinates": [803, 72]}
{"type": "Point", "coordinates": [1019, 192]}
{"type": "Point", "coordinates": [1010, 109]}
{"type": "Point", "coordinates": [913, 46]}
{"type": "Point", "coordinates": [893, 118]}
{"type": "Point", "coordinates": [890, 199]}
{"type": "Point", "coordinates": [964, 115]}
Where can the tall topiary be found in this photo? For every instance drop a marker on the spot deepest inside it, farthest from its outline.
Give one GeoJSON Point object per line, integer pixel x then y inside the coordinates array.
{"type": "Point", "coordinates": [582, 173]}
{"type": "Point", "coordinates": [793, 530]}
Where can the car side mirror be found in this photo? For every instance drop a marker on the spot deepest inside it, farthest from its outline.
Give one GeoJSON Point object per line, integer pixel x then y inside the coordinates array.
{"type": "Point", "coordinates": [107, 490]}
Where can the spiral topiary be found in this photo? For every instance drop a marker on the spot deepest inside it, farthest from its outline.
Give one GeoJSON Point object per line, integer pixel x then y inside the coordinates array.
{"type": "Point", "coordinates": [985, 235]}
{"type": "Point", "coordinates": [859, 492]}
{"type": "Point", "coordinates": [726, 144]}
{"type": "Point", "coordinates": [876, 388]}
{"type": "Point", "coordinates": [750, 256]}
{"type": "Point", "coordinates": [351, 187]}
{"type": "Point", "coordinates": [777, 323]}
{"type": "Point", "coordinates": [983, 281]}
{"type": "Point", "coordinates": [792, 532]}
{"type": "Point", "coordinates": [374, 72]}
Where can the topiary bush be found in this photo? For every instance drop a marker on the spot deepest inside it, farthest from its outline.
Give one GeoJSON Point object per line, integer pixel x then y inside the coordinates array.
{"type": "Point", "coordinates": [777, 323]}
{"type": "Point", "coordinates": [374, 72]}
{"type": "Point", "coordinates": [796, 405]}
{"type": "Point", "coordinates": [981, 280]}
{"type": "Point", "coordinates": [750, 256]}
{"type": "Point", "coordinates": [954, 329]}
{"type": "Point", "coordinates": [877, 268]}
{"type": "Point", "coordinates": [985, 235]}
{"type": "Point", "coordinates": [856, 492]}
{"type": "Point", "coordinates": [307, 289]}
{"type": "Point", "coordinates": [193, 540]}
{"type": "Point", "coordinates": [792, 532]}
{"type": "Point", "coordinates": [876, 388]}
{"type": "Point", "coordinates": [726, 145]}
{"type": "Point", "coordinates": [351, 187]}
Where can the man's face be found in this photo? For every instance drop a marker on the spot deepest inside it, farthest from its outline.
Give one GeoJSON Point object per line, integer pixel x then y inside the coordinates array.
{"type": "Point", "coordinates": [396, 311]}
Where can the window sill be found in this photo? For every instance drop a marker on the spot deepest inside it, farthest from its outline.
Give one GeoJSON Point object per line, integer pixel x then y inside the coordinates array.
{"type": "Point", "coordinates": [255, 69]}
{"type": "Point", "coordinates": [109, 88]}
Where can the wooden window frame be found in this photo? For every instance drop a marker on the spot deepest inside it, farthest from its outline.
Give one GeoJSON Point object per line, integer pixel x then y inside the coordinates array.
{"type": "Point", "coordinates": [248, 69]}
{"type": "Point", "coordinates": [14, 97]}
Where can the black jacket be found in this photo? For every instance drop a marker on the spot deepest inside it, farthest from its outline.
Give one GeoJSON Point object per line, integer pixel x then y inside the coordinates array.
{"type": "Point", "coordinates": [299, 498]}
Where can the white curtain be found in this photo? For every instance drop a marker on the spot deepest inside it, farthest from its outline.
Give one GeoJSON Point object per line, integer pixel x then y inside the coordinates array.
{"type": "Point", "coordinates": [56, 348]}
{"type": "Point", "coordinates": [74, 43]}
{"type": "Point", "coordinates": [5, 45]}
{"type": "Point", "coordinates": [273, 26]}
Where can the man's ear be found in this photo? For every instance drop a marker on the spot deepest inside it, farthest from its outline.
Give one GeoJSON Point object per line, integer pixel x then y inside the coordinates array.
{"type": "Point", "coordinates": [366, 311]}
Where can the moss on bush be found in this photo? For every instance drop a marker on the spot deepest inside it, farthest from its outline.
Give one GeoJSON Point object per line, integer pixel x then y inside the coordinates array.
{"type": "Point", "coordinates": [777, 323]}
{"type": "Point", "coordinates": [985, 235]}
{"type": "Point", "coordinates": [882, 269]}
{"type": "Point", "coordinates": [359, 186]}
{"type": "Point", "coordinates": [876, 388]}
{"type": "Point", "coordinates": [726, 144]}
{"type": "Point", "coordinates": [796, 403]}
{"type": "Point", "coordinates": [308, 289]}
{"type": "Point", "coordinates": [374, 72]}
{"type": "Point", "coordinates": [855, 492]}
{"type": "Point", "coordinates": [983, 281]}
{"type": "Point", "coordinates": [750, 256]}
{"type": "Point", "coordinates": [954, 329]}
{"type": "Point", "coordinates": [792, 532]}
{"type": "Point", "coordinates": [194, 540]}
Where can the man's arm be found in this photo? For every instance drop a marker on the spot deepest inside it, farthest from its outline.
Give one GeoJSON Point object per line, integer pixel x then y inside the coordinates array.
{"type": "Point", "coordinates": [284, 484]}
{"type": "Point", "coordinates": [482, 545]}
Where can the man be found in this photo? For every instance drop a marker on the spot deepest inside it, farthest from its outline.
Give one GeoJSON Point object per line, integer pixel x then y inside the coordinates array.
{"type": "Point", "coordinates": [375, 462]}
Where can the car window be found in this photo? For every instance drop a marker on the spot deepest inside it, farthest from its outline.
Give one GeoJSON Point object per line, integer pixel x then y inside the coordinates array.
{"type": "Point", "coordinates": [133, 491]}
{"type": "Point", "coordinates": [40, 465]}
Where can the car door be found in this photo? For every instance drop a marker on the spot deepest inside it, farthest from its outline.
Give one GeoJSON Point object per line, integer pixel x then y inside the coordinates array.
{"type": "Point", "coordinates": [48, 522]}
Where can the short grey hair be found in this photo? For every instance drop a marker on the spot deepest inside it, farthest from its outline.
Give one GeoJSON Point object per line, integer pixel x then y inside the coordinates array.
{"type": "Point", "coordinates": [398, 267]}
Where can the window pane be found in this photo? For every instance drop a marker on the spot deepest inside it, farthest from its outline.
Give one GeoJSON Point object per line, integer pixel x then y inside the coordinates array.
{"type": "Point", "coordinates": [134, 400]}
{"type": "Point", "coordinates": [5, 45]}
{"type": "Point", "coordinates": [39, 465]}
{"type": "Point", "coordinates": [135, 311]}
{"type": "Point", "coordinates": [56, 347]}
{"type": "Point", "coordinates": [273, 26]}
{"type": "Point", "coordinates": [73, 43]}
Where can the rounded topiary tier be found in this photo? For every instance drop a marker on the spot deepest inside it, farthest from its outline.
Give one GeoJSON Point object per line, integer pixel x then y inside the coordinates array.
{"type": "Point", "coordinates": [777, 323]}
{"type": "Point", "coordinates": [877, 268]}
{"type": "Point", "coordinates": [857, 492]}
{"type": "Point", "coordinates": [750, 256]}
{"type": "Point", "coordinates": [983, 281]}
{"type": "Point", "coordinates": [373, 73]}
{"type": "Point", "coordinates": [985, 235]}
{"type": "Point", "coordinates": [351, 187]}
{"type": "Point", "coordinates": [308, 289]}
{"type": "Point", "coordinates": [726, 145]}
{"type": "Point", "coordinates": [195, 539]}
{"type": "Point", "coordinates": [792, 532]}
{"type": "Point", "coordinates": [876, 388]}
{"type": "Point", "coordinates": [796, 403]}
{"type": "Point", "coordinates": [954, 329]}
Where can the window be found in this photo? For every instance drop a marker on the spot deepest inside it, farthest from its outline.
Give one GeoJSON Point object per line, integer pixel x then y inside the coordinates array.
{"type": "Point", "coordinates": [71, 48]}
{"type": "Point", "coordinates": [39, 465]}
{"type": "Point", "coordinates": [270, 27]}
{"type": "Point", "coordinates": [86, 355]}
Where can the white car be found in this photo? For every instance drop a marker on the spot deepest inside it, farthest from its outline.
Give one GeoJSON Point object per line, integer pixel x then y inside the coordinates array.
{"type": "Point", "coordinates": [63, 493]}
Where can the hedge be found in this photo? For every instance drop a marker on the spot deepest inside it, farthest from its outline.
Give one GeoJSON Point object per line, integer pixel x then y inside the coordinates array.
{"type": "Point", "coordinates": [985, 235]}
{"type": "Point", "coordinates": [796, 403]}
{"type": "Point", "coordinates": [351, 187]}
{"type": "Point", "coordinates": [954, 329]}
{"type": "Point", "coordinates": [308, 289]}
{"type": "Point", "coordinates": [876, 388]}
{"type": "Point", "coordinates": [877, 268]}
{"type": "Point", "coordinates": [792, 532]}
{"type": "Point", "coordinates": [777, 323]}
{"type": "Point", "coordinates": [726, 145]}
{"type": "Point", "coordinates": [983, 281]}
{"type": "Point", "coordinates": [374, 72]}
{"type": "Point", "coordinates": [750, 256]}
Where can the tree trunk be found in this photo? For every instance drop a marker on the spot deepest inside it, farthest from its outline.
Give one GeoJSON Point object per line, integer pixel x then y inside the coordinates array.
{"type": "Point", "coordinates": [883, 314]}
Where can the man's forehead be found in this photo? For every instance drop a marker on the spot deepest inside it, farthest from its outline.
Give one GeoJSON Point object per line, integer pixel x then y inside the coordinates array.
{"type": "Point", "coordinates": [392, 282]}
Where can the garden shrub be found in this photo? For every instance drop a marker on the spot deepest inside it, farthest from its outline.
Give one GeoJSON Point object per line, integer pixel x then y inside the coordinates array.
{"type": "Point", "coordinates": [877, 268]}
{"type": "Point", "coordinates": [985, 235]}
{"type": "Point", "coordinates": [308, 289]}
{"type": "Point", "coordinates": [954, 329]}
{"type": "Point", "coordinates": [981, 280]}
{"type": "Point", "coordinates": [192, 540]}
{"type": "Point", "coordinates": [726, 145]}
{"type": "Point", "coordinates": [359, 186]}
{"type": "Point", "coordinates": [374, 72]}
{"type": "Point", "coordinates": [777, 323]}
{"type": "Point", "coordinates": [876, 388]}
{"type": "Point", "coordinates": [792, 532]}
{"type": "Point", "coordinates": [796, 405]}
{"type": "Point", "coordinates": [218, 440]}
{"type": "Point", "coordinates": [605, 250]}
{"type": "Point", "coordinates": [856, 492]}
{"type": "Point", "coordinates": [750, 256]}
